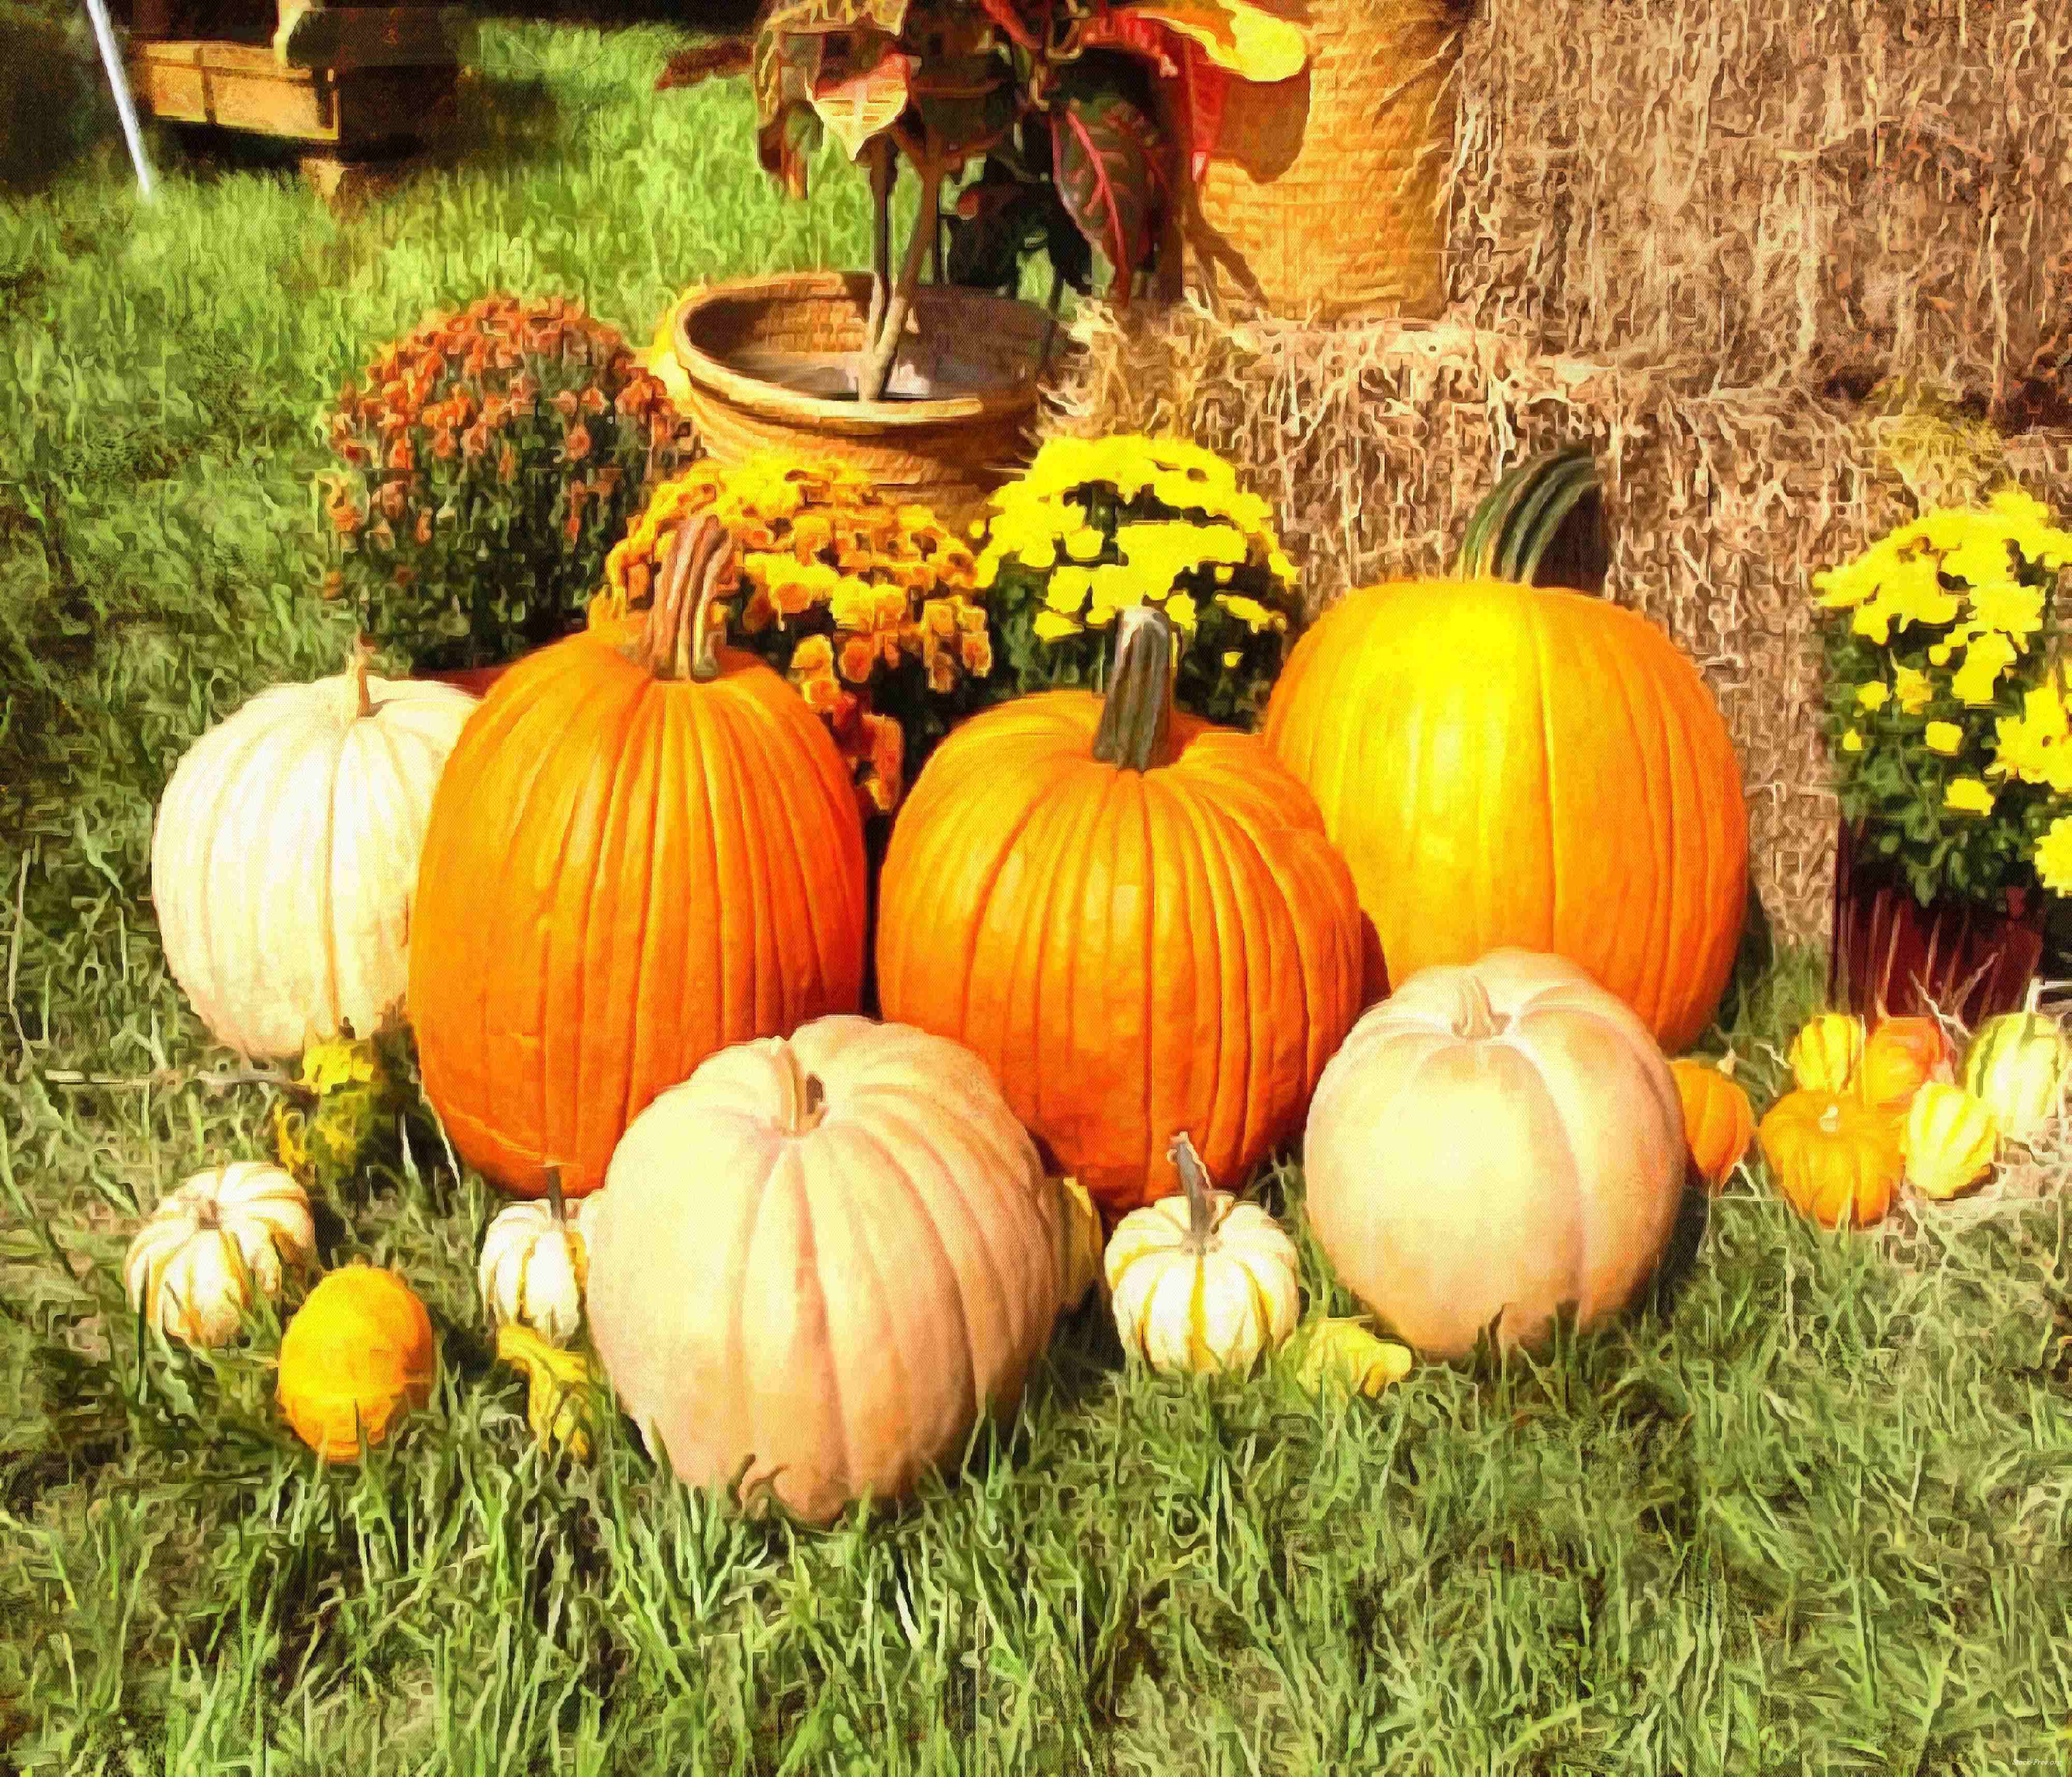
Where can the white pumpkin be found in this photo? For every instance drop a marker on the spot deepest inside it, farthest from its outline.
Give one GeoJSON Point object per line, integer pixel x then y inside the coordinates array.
{"type": "Point", "coordinates": [818, 1261]}
{"type": "Point", "coordinates": [284, 861]}
{"type": "Point", "coordinates": [534, 1265]}
{"type": "Point", "coordinates": [194, 1262]}
{"type": "Point", "coordinates": [1202, 1282]}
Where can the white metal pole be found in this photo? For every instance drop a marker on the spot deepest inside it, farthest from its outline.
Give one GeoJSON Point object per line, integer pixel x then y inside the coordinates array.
{"type": "Point", "coordinates": [118, 78]}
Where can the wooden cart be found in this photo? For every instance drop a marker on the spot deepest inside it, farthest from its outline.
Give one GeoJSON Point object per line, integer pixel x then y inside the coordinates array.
{"type": "Point", "coordinates": [362, 86]}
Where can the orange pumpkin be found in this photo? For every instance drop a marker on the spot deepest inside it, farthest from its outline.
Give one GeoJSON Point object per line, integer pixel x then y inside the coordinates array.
{"type": "Point", "coordinates": [644, 849]}
{"type": "Point", "coordinates": [1719, 1122]}
{"type": "Point", "coordinates": [1836, 1157]}
{"type": "Point", "coordinates": [1134, 917]}
{"type": "Point", "coordinates": [1506, 766]}
{"type": "Point", "coordinates": [1900, 1057]}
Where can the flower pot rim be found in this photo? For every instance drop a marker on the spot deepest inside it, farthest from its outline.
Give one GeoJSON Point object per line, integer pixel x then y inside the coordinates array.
{"type": "Point", "coordinates": [988, 314]}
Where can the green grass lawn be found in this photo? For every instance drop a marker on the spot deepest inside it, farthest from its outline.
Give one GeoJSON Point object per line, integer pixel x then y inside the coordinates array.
{"type": "Point", "coordinates": [1816, 1520]}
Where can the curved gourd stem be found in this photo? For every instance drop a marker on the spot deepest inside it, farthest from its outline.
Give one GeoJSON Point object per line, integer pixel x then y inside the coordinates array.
{"type": "Point", "coordinates": [803, 1100]}
{"type": "Point", "coordinates": [358, 700]}
{"type": "Point", "coordinates": [1137, 714]}
{"type": "Point", "coordinates": [1194, 1181]}
{"type": "Point", "coordinates": [678, 641]}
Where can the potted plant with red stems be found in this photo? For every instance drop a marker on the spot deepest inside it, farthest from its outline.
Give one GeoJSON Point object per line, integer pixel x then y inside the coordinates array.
{"type": "Point", "coordinates": [1058, 104]}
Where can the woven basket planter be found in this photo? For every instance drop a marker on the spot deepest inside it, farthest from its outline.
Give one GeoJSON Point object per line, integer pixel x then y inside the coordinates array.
{"type": "Point", "coordinates": [755, 351]}
{"type": "Point", "coordinates": [1325, 198]}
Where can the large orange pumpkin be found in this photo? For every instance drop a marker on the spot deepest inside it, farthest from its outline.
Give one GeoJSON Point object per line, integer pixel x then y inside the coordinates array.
{"type": "Point", "coordinates": [1506, 766]}
{"type": "Point", "coordinates": [1134, 916]}
{"type": "Point", "coordinates": [644, 849]}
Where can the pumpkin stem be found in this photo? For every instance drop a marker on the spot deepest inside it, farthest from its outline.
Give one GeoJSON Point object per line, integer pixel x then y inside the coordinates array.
{"type": "Point", "coordinates": [1194, 1181]}
{"type": "Point", "coordinates": [1481, 1021]}
{"type": "Point", "coordinates": [1831, 1120]}
{"type": "Point", "coordinates": [1728, 1063]}
{"type": "Point", "coordinates": [677, 642]}
{"type": "Point", "coordinates": [1137, 714]}
{"type": "Point", "coordinates": [805, 1099]}
{"type": "Point", "coordinates": [554, 1192]}
{"type": "Point", "coordinates": [358, 700]}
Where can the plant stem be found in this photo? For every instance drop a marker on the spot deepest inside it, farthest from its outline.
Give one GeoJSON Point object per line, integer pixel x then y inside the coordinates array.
{"type": "Point", "coordinates": [1050, 330]}
{"type": "Point", "coordinates": [678, 641]}
{"type": "Point", "coordinates": [1136, 712]}
{"type": "Point", "coordinates": [884, 173]}
{"type": "Point", "coordinates": [885, 347]}
{"type": "Point", "coordinates": [1194, 1181]}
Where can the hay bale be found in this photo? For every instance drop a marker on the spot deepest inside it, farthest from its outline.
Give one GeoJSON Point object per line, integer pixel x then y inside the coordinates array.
{"type": "Point", "coordinates": [1772, 190]}
{"type": "Point", "coordinates": [1375, 439]}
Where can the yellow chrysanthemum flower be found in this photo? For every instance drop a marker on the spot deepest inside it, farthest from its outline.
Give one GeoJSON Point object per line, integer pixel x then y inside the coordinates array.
{"type": "Point", "coordinates": [1853, 742]}
{"type": "Point", "coordinates": [1981, 559]}
{"type": "Point", "coordinates": [2009, 607]}
{"type": "Point", "coordinates": [1912, 688]}
{"type": "Point", "coordinates": [2053, 856]}
{"type": "Point", "coordinates": [1872, 696]}
{"type": "Point", "coordinates": [1180, 608]}
{"type": "Point", "coordinates": [1967, 796]}
{"type": "Point", "coordinates": [1085, 544]}
{"type": "Point", "coordinates": [1976, 682]}
{"type": "Point", "coordinates": [1944, 737]}
{"type": "Point", "coordinates": [1232, 655]}
{"type": "Point", "coordinates": [1069, 590]}
{"type": "Point", "coordinates": [1053, 627]}
{"type": "Point", "coordinates": [1939, 654]}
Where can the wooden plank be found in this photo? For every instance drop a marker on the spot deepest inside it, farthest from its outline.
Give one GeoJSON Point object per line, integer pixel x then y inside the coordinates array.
{"type": "Point", "coordinates": [238, 86]}
{"type": "Point", "coordinates": [313, 34]}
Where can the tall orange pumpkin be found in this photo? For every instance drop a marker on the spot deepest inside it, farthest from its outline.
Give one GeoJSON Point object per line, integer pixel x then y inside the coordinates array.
{"type": "Point", "coordinates": [644, 849]}
{"type": "Point", "coordinates": [1503, 766]}
{"type": "Point", "coordinates": [1134, 917]}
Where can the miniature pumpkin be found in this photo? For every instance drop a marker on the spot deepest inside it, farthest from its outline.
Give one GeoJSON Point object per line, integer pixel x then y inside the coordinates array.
{"type": "Point", "coordinates": [1344, 1357]}
{"type": "Point", "coordinates": [1134, 918]}
{"type": "Point", "coordinates": [325, 1122]}
{"type": "Point", "coordinates": [194, 1264]}
{"type": "Point", "coordinates": [358, 1355]}
{"type": "Point", "coordinates": [2016, 1067]}
{"type": "Point", "coordinates": [1495, 1139]}
{"type": "Point", "coordinates": [818, 1261]}
{"type": "Point", "coordinates": [1949, 1138]}
{"type": "Point", "coordinates": [557, 1388]}
{"type": "Point", "coordinates": [1719, 1122]}
{"type": "Point", "coordinates": [1082, 1245]}
{"type": "Point", "coordinates": [283, 864]}
{"type": "Point", "coordinates": [645, 848]}
{"type": "Point", "coordinates": [1508, 766]}
{"type": "Point", "coordinates": [1201, 1283]}
{"type": "Point", "coordinates": [1900, 1056]}
{"type": "Point", "coordinates": [533, 1264]}
{"type": "Point", "coordinates": [1835, 1158]}
{"type": "Point", "coordinates": [1824, 1055]}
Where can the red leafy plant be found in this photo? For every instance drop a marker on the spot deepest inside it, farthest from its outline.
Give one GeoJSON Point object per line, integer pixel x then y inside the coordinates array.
{"type": "Point", "coordinates": [1056, 101]}
{"type": "Point", "coordinates": [490, 459]}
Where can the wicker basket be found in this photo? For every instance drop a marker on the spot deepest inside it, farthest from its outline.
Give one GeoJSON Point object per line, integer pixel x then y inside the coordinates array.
{"type": "Point", "coordinates": [1325, 195]}
{"type": "Point", "coordinates": [947, 451]}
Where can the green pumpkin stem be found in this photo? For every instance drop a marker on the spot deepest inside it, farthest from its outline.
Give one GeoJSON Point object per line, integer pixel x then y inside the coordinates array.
{"type": "Point", "coordinates": [678, 642]}
{"type": "Point", "coordinates": [1136, 715]}
{"type": "Point", "coordinates": [1194, 1181]}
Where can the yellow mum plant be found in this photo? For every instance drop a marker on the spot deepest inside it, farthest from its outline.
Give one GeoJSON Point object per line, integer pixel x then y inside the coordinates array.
{"type": "Point", "coordinates": [1097, 525]}
{"type": "Point", "coordinates": [1946, 709]}
{"type": "Point", "coordinates": [866, 604]}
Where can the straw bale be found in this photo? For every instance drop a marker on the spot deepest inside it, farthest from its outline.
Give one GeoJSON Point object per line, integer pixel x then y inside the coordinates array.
{"type": "Point", "coordinates": [1374, 440]}
{"type": "Point", "coordinates": [1772, 190]}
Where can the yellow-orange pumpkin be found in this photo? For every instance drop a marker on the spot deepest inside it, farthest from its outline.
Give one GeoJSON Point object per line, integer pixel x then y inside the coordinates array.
{"type": "Point", "coordinates": [1900, 1057]}
{"type": "Point", "coordinates": [1834, 1157]}
{"type": "Point", "coordinates": [645, 848]}
{"type": "Point", "coordinates": [1508, 766]}
{"type": "Point", "coordinates": [1134, 917]}
{"type": "Point", "coordinates": [1719, 1122]}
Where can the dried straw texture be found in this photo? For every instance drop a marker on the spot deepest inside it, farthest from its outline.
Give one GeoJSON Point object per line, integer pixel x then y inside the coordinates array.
{"type": "Point", "coordinates": [1375, 440]}
{"type": "Point", "coordinates": [1769, 190]}
{"type": "Point", "coordinates": [1327, 197]}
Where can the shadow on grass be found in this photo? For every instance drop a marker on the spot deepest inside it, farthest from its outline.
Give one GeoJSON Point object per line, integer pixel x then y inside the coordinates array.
{"type": "Point", "coordinates": [497, 120]}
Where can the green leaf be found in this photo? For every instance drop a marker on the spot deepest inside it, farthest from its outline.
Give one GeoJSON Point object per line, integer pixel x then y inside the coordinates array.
{"type": "Point", "coordinates": [1109, 160]}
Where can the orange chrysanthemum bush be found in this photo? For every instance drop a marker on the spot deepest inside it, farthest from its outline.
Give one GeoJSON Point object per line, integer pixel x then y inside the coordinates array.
{"type": "Point", "coordinates": [491, 458]}
{"type": "Point", "coordinates": [867, 605]}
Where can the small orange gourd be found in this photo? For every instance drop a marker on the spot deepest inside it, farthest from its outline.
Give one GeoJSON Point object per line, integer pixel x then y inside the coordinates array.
{"type": "Point", "coordinates": [358, 1355]}
{"type": "Point", "coordinates": [1719, 1122]}
{"type": "Point", "coordinates": [1835, 1158]}
{"type": "Point", "coordinates": [1900, 1057]}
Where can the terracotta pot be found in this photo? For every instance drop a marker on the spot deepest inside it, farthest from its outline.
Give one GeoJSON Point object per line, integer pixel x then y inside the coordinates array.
{"type": "Point", "coordinates": [1889, 957]}
{"type": "Point", "coordinates": [767, 359]}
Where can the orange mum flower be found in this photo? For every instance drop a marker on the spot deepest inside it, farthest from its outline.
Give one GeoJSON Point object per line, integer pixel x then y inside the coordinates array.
{"type": "Point", "coordinates": [976, 647]}
{"type": "Point", "coordinates": [576, 445]}
{"type": "Point", "coordinates": [859, 656]}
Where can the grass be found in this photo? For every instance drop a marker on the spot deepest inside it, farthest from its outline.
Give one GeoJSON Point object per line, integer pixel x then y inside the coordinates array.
{"type": "Point", "coordinates": [1816, 1518]}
